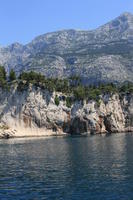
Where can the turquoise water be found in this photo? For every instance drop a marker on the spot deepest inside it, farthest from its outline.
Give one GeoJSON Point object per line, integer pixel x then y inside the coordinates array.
{"type": "Point", "coordinates": [82, 168]}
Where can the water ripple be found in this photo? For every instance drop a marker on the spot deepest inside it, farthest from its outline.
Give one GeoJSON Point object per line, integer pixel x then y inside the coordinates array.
{"type": "Point", "coordinates": [91, 168]}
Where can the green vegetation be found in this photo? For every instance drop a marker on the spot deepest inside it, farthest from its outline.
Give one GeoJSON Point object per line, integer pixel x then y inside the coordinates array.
{"type": "Point", "coordinates": [32, 77]}
{"type": "Point", "coordinates": [69, 102]}
{"type": "Point", "coordinates": [12, 75]}
{"type": "Point", "coordinates": [72, 88]}
{"type": "Point", "coordinates": [126, 88]}
{"type": "Point", "coordinates": [3, 82]}
{"type": "Point", "coordinates": [2, 73]}
{"type": "Point", "coordinates": [80, 92]}
{"type": "Point", "coordinates": [57, 101]}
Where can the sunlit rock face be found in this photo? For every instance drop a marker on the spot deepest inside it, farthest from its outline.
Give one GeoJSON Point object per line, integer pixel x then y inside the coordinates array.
{"type": "Point", "coordinates": [33, 112]}
{"type": "Point", "coordinates": [101, 55]}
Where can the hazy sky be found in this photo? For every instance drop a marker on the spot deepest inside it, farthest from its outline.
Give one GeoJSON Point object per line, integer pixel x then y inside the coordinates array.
{"type": "Point", "coordinates": [22, 20]}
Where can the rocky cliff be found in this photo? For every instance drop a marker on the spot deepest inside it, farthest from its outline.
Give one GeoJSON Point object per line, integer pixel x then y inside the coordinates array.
{"type": "Point", "coordinates": [33, 112]}
{"type": "Point", "coordinates": [101, 55]}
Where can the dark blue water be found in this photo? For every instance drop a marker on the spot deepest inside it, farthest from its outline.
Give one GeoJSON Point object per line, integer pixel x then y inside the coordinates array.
{"type": "Point", "coordinates": [85, 168]}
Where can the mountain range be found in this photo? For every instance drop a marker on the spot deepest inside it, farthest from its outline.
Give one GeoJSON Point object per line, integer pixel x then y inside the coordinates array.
{"type": "Point", "coordinates": [101, 55]}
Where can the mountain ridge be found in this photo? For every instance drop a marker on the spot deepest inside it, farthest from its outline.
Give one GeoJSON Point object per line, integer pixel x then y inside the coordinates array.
{"type": "Point", "coordinates": [100, 55]}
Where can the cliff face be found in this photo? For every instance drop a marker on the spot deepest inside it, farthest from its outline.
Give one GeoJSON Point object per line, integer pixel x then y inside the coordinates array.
{"type": "Point", "coordinates": [33, 113]}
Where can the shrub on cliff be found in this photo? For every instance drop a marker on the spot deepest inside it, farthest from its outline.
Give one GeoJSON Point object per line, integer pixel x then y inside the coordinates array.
{"type": "Point", "coordinates": [93, 94]}
{"type": "Point", "coordinates": [32, 77]}
{"type": "Point", "coordinates": [2, 73]}
{"type": "Point", "coordinates": [57, 101]}
{"type": "Point", "coordinates": [126, 88]}
{"type": "Point", "coordinates": [79, 93]}
{"type": "Point", "coordinates": [108, 88]}
{"type": "Point", "coordinates": [68, 102]}
{"type": "Point", "coordinates": [3, 82]}
{"type": "Point", "coordinates": [12, 75]}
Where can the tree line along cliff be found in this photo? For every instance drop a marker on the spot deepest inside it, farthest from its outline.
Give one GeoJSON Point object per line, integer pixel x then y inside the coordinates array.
{"type": "Point", "coordinates": [72, 87]}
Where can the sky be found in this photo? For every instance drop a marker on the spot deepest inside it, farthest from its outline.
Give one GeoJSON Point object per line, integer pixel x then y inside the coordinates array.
{"type": "Point", "coordinates": [23, 20]}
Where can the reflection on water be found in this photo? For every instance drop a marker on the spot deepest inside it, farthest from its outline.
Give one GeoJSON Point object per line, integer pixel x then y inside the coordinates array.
{"type": "Point", "coordinates": [67, 168]}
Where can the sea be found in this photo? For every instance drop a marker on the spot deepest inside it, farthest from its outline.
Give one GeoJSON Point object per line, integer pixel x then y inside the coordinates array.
{"type": "Point", "coordinates": [67, 168]}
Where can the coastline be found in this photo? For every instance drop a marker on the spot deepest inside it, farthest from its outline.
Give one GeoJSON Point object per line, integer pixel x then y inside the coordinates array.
{"type": "Point", "coordinates": [10, 134]}
{"type": "Point", "coordinates": [13, 134]}
{"type": "Point", "coordinates": [33, 113]}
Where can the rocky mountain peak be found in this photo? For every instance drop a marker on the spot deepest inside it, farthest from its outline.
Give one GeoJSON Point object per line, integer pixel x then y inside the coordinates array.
{"type": "Point", "coordinates": [15, 47]}
{"type": "Point", "coordinates": [118, 29]}
{"type": "Point", "coordinates": [126, 18]}
{"type": "Point", "coordinates": [127, 14]}
{"type": "Point", "coordinates": [101, 55]}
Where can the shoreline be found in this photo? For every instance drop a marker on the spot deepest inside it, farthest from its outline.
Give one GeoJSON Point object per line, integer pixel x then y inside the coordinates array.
{"type": "Point", "coordinates": [9, 135]}
{"type": "Point", "coordinates": [6, 136]}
